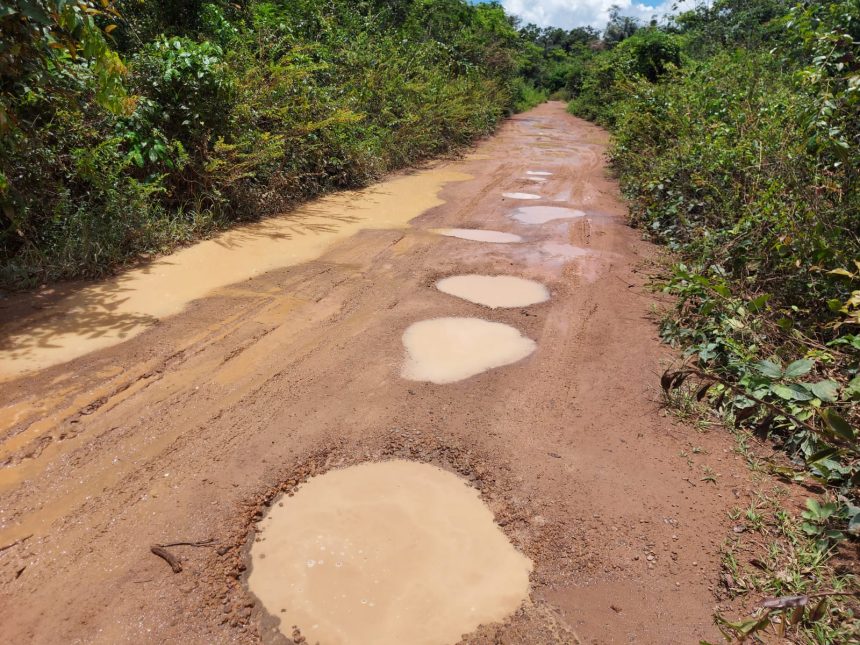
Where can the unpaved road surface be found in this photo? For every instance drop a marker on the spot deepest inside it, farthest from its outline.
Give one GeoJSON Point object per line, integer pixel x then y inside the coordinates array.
{"type": "Point", "coordinates": [184, 432]}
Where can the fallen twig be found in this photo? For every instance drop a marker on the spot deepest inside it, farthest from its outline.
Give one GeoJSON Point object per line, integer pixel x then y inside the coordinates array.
{"type": "Point", "coordinates": [16, 542]}
{"type": "Point", "coordinates": [167, 556]}
{"type": "Point", "coordinates": [788, 602]}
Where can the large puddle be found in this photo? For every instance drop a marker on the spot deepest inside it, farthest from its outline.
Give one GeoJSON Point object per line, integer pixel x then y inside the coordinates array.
{"type": "Point", "coordinates": [494, 290]}
{"type": "Point", "coordinates": [446, 350]}
{"type": "Point", "coordinates": [106, 313]}
{"type": "Point", "coordinates": [481, 235]}
{"type": "Point", "coordinates": [386, 554]}
{"type": "Point", "coordinates": [543, 214]}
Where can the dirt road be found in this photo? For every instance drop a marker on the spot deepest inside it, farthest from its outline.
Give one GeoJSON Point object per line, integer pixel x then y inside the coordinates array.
{"type": "Point", "coordinates": [184, 431]}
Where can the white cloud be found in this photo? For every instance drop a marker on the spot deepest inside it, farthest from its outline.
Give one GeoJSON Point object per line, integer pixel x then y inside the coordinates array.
{"type": "Point", "coordinates": [577, 13]}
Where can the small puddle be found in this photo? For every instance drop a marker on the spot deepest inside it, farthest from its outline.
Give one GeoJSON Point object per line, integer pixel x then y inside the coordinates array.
{"type": "Point", "coordinates": [562, 250]}
{"type": "Point", "coordinates": [446, 350]}
{"type": "Point", "coordinates": [494, 290]}
{"type": "Point", "coordinates": [480, 235]}
{"type": "Point", "coordinates": [538, 173]}
{"type": "Point", "coordinates": [520, 196]}
{"type": "Point", "coordinates": [108, 312]}
{"type": "Point", "coordinates": [543, 214]}
{"type": "Point", "coordinates": [385, 554]}
{"type": "Point", "coordinates": [536, 180]}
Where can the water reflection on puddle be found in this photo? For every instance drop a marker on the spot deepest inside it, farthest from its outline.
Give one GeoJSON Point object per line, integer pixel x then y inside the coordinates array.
{"type": "Point", "coordinates": [543, 214]}
{"type": "Point", "coordinates": [538, 173]}
{"type": "Point", "coordinates": [479, 235]}
{"type": "Point", "coordinates": [385, 554]}
{"type": "Point", "coordinates": [520, 196]}
{"type": "Point", "coordinates": [494, 291]}
{"type": "Point", "coordinates": [561, 250]}
{"type": "Point", "coordinates": [446, 350]}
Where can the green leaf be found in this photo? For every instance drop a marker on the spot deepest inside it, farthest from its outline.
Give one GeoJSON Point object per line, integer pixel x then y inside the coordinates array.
{"type": "Point", "coordinates": [791, 392]}
{"type": "Point", "coordinates": [854, 524]}
{"type": "Point", "coordinates": [809, 529]}
{"type": "Point", "coordinates": [825, 390]}
{"type": "Point", "coordinates": [757, 304]}
{"type": "Point", "coordinates": [769, 369]}
{"type": "Point", "coordinates": [852, 390]}
{"type": "Point", "coordinates": [825, 453]}
{"type": "Point", "coordinates": [34, 12]}
{"type": "Point", "coordinates": [723, 290]}
{"type": "Point", "coordinates": [839, 425]}
{"type": "Point", "coordinates": [799, 368]}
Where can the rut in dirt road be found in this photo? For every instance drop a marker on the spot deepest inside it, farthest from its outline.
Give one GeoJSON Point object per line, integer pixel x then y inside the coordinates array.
{"type": "Point", "coordinates": [503, 342]}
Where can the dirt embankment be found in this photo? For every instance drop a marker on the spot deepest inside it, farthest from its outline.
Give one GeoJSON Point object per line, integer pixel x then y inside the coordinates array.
{"type": "Point", "coordinates": [182, 432]}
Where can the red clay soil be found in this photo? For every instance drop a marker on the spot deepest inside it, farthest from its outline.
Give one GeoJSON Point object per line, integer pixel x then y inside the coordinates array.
{"type": "Point", "coordinates": [182, 433]}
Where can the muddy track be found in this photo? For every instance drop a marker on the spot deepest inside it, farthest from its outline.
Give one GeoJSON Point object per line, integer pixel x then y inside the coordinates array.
{"type": "Point", "coordinates": [186, 431]}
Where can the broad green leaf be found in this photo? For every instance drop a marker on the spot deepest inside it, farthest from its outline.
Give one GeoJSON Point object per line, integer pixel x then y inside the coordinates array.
{"type": "Point", "coordinates": [34, 12]}
{"type": "Point", "coordinates": [782, 391]}
{"type": "Point", "coordinates": [798, 368]}
{"type": "Point", "coordinates": [791, 392]}
{"type": "Point", "coordinates": [769, 369]}
{"type": "Point", "coordinates": [852, 390]}
{"type": "Point", "coordinates": [757, 304]}
{"type": "Point", "coordinates": [825, 390]}
{"type": "Point", "coordinates": [839, 425]}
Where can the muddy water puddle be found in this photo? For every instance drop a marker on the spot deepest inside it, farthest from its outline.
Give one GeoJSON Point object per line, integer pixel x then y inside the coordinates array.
{"type": "Point", "coordinates": [538, 173]}
{"type": "Point", "coordinates": [494, 290]}
{"type": "Point", "coordinates": [480, 235]}
{"type": "Point", "coordinates": [524, 196]}
{"type": "Point", "coordinates": [563, 250]}
{"type": "Point", "coordinates": [384, 554]}
{"type": "Point", "coordinates": [106, 313]}
{"type": "Point", "coordinates": [446, 350]}
{"type": "Point", "coordinates": [543, 214]}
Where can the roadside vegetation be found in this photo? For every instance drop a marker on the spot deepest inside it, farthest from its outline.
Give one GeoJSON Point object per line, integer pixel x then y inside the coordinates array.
{"type": "Point", "coordinates": [737, 143]}
{"type": "Point", "coordinates": [132, 126]}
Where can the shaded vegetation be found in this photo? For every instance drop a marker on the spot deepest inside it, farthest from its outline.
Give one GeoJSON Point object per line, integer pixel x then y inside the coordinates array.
{"type": "Point", "coordinates": [129, 127]}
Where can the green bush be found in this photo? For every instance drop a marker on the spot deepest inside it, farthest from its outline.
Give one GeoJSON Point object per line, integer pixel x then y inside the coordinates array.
{"type": "Point", "coordinates": [744, 161]}
{"type": "Point", "coordinates": [219, 111]}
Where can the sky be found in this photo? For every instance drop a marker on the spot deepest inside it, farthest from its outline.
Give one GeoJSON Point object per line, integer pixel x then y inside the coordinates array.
{"type": "Point", "coordinates": [578, 13]}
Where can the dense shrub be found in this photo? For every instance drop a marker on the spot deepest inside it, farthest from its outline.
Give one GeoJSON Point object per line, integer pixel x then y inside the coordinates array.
{"type": "Point", "coordinates": [736, 141]}
{"type": "Point", "coordinates": [219, 111]}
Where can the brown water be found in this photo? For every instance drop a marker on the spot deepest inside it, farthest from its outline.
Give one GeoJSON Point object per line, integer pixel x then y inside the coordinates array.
{"type": "Point", "coordinates": [494, 290]}
{"type": "Point", "coordinates": [108, 312]}
{"type": "Point", "coordinates": [446, 350]}
{"type": "Point", "coordinates": [543, 214]}
{"type": "Point", "coordinates": [480, 235]}
{"type": "Point", "coordinates": [536, 180]}
{"type": "Point", "coordinates": [389, 553]}
{"type": "Point", "coordinates": [520, 196]}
